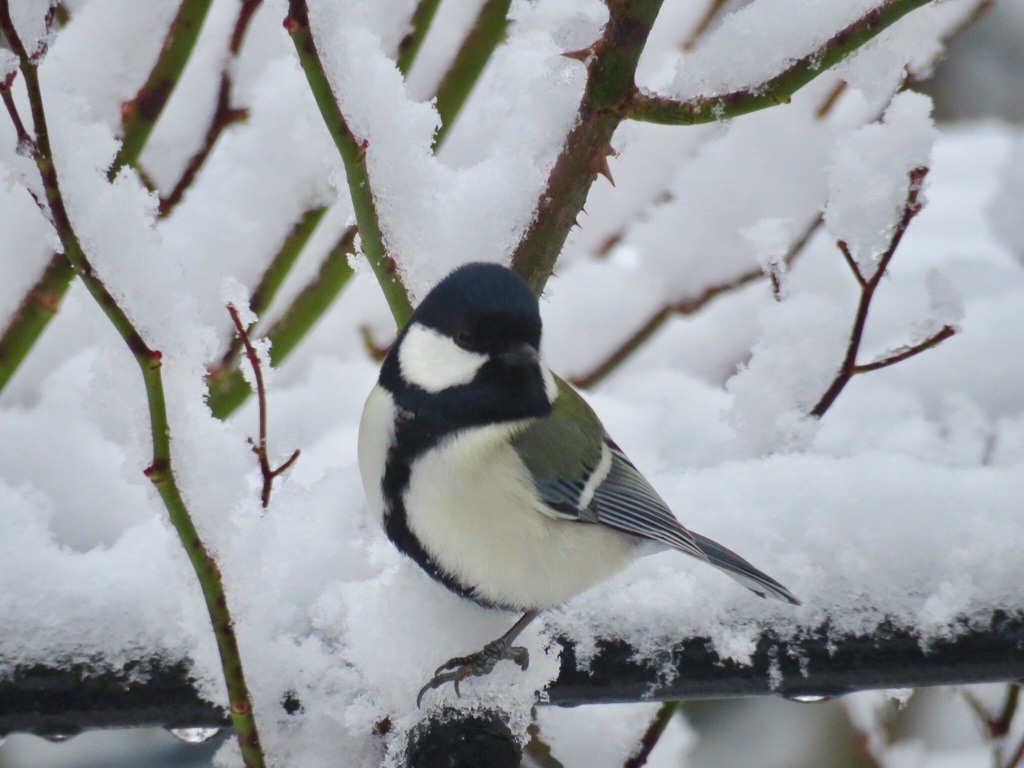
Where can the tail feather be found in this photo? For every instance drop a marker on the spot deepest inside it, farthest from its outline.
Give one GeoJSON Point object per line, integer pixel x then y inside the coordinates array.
{"type": "Point", "coordinates": [740, 570]}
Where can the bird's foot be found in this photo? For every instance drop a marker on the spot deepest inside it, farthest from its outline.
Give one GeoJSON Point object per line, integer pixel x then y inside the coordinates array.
{"type": "Point", "coordinates": [475, 665]}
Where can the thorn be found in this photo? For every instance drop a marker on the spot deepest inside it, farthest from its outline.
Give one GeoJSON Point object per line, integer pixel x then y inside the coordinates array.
{"type": "Point", "coordinates": [602, 168]}
{"type": "Point", "coordinates": [583, 55]}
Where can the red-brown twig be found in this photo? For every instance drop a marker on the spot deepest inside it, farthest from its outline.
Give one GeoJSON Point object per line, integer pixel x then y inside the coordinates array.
{"type": "Point", "coordinates": [260, 448]}
{"type": "Point", "coordinates": [685, 307]}
{"type": "Point", "coordinates": [25, 143]}
{"type": "Point", "coordinates": [224, 115]}
{"type": "Point", "coordinates": [868, 284]}
{"type": "Point", "coordinates": [375, 350]}
{"type": "Point", "coordinates": [652, 735]}
{"type": "Point", "coordinates": [1016, 757]}
{"type": "Point", "coordinates": [998, 726]}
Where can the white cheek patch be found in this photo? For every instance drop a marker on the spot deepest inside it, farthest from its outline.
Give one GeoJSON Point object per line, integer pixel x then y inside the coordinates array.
{"type": "Point", "coordinates": [432, 361]}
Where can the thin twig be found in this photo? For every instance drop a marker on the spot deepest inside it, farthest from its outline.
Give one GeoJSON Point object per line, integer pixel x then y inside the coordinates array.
{"type": "Point", "coordinates": [477, 47]}
{"type": "Point", "coordinates": [160, 471]}
{"type": "Point", "coordinates": [851, 262]}
{"type": "Point", "coordinates": [228, 387]}
{"type": "Point", "coordinates": [140, 114]}
{"type": "Point", "coordinates": [849, 367]}
{"type": "Point", "coordinates": [224, 115]}
{"type": "Point", "coordinates": [274, 275]}
{"type": "Point", "coordinates": [996, 726]}
{"type": "Point", "coordinates": [260, 448]}
{"type": "Point", "coordinates": [685, 307]}
{"type": "Point", "coordinates": [537, 749]}
{"type": "Point", "coordinates": [652, 735]}
{"type": "Point", "coordinates": [1001, 725]}
{"type": "Point", "coordinates": [710, 14]}
{"type": "Point", "coordinates": [1017, 756]}
{"type": "Point", "coordinates": [377, 352]}
{"type": "Point", "coordinates": [25, 144]}
{"type": "Point", "coordinates": [353, 155]}
{"type": "Point", "coordinates": [899, 355]}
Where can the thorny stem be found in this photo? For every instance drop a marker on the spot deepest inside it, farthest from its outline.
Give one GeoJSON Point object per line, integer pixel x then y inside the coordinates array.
{"type": "Point", "coordinates": [224, 115]}
{"type": "Point", "coordinates": [652, 735]}
{"type": "Point", "coordinates": [486, 33]}
{"type": "Point", "coordinates": [353, 154]}
{"type": "Point", "coordinates": [140, 115]}
{"type": "Point", "coordinates": [228, 387]}
{"type": "Point", "coordinates": [868, 284]}
{"type": "Point", "coordinates": [777, 90]}
{"type": "Point", "coordinates": [685, 307]}
{"type": "Point", "coordinates": [160, 471]}
{"type": "Point", "coordinates": [410, 44]}
{"type": "Point", "coordinates": [611, 96]}
{"type": "Point", "coordinates": [260, 448]}
{"type": "Point", "coordinates": [611, 65]}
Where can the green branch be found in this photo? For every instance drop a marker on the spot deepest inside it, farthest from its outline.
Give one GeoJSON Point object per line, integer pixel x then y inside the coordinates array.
{"type": "Point", "coordinates": [160, 471]}
{"type": "Point", "coordinates": [779, 89]}
{"type": "Point", "coordinates": [34, 313]}
{"type": "Point", "coordinates": [484, 37]}
{"type": "Point", "coordinates": [353, 155]}
{"type": "Point", "coordinates": [409, 46]}
{"type": "Point", "coordinates": [41, 303]}
{"type": "Point", "coordinates": [140, 115]}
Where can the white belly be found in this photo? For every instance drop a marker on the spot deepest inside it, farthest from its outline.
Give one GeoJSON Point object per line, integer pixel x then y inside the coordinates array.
{"type": "Point", "coordinates": [470, 503]}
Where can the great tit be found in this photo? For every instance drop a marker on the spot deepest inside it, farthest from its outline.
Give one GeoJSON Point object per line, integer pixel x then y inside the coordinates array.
{"type": "Point", "coordinates": [496, 477]}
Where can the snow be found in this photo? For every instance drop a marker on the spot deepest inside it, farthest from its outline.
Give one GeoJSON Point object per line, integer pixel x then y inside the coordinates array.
{"type": "Point", "coordinates": [570, 735]}
{"type": "Point", "coordinates": [869, 178]}
{"type": "Point", "coordinates": [902, 503]}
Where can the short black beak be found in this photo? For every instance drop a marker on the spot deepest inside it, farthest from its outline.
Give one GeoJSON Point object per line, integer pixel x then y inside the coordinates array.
{"type": "Point", "coordinates": [519, 355]}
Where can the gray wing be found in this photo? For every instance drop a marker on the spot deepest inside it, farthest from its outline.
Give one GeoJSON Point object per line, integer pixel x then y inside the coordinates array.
{"type": "Point", "coordinates": [615, 494]}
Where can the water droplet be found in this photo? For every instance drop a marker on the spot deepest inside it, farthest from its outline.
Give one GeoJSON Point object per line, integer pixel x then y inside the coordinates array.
{"type": "Point", "coordinates": [58, 738]}
{"type": "Point", "coordinates": [194, 735]}
{"type": "Point", "coordinates": [807, 698]}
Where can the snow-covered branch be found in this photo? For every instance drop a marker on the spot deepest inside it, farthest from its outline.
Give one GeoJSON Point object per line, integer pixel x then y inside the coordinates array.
{"type": "Point", "coordinates": [353, 154]}
{"type": "Point", "coordinates": [780, 88]}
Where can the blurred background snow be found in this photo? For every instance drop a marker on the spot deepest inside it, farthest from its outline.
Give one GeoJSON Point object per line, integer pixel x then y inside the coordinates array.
{"type": "Point", "coordinates": [309, 579]}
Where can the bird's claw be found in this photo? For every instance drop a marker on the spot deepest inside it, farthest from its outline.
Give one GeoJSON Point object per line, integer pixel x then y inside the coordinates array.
{"type": "Point", "coordinates": [475, 665]}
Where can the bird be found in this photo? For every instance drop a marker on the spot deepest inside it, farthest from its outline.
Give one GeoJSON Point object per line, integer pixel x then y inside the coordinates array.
{"type": "Point", "coordinates": [496, 477]}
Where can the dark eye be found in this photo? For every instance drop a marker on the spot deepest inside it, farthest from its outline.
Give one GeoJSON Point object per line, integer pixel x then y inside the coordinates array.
{"type": "Point", "coordinates": [464, 338]}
